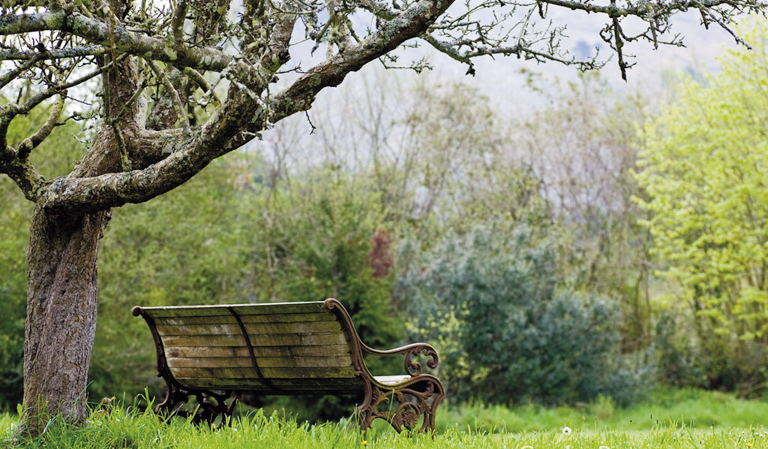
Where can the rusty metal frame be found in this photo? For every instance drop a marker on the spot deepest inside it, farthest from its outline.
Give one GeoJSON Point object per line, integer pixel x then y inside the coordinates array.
{"type": "Point", "coordinates": [401, 404]}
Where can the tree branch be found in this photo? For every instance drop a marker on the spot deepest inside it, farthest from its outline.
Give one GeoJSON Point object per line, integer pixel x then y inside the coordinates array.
{"type": "Point", "coordinates": [29, 180]}
{"type": "Point", "coordinates": [650, 9]}
{"type": "Point", "coordinates": [195, 76]}
{"type": "Point", "coordinates": [27, 145]}
{"type": "Point", "coordinates": [517, 50]}
{"type": "Point", "coordinates": [125, 41]}
{"type": "Point", "coordinates": [409, 24]}
{"type": "Point", "coordinates": [10, 111]}
{"type": "Point", "coordinates": [13, 73]}
{"type": "Point", "coordinates": [181, 112]}
{"type": "Point", "coordinates": [223, 134]}
{"type": "Point", "coordinates": [16, 55]}
{"type": "Point", "coordinates": [177, 31]}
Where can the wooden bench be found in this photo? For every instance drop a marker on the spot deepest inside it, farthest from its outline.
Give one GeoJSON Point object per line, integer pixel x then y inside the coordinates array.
{"type": "Point", "coordinates": [217, 353]}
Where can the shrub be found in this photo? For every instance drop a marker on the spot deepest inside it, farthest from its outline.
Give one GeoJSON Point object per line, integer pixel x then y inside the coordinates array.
{"type": "Point", "coordinates": [489, 299]}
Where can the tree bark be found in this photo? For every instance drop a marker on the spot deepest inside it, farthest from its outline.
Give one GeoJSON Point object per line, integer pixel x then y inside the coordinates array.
{"type": "Point", "coordinates": [61, 314]}
{"type": "Point", "coordinates": [62, 298]}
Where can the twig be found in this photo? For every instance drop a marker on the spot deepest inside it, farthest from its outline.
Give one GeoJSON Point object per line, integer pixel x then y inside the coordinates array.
{"type": "Point", "coordinates": [173, 93]}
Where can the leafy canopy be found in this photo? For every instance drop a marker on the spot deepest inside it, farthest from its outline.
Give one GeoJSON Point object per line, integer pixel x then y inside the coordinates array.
{"type": "Point", "coordinates": [704, 170]}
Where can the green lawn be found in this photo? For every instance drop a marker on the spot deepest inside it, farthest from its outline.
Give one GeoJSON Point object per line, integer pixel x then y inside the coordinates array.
{"type": "Point", "coordinates": [669, 408]}
{"type": "Point", "coordinates": [739, 425]}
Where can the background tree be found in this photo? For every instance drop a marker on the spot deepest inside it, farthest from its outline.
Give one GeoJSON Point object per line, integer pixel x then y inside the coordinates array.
{"type": "Point", "coordinates": [704, 172]}
{"type": "Point", "coordinates": [162, 119]}
{"type": "Point", "coordinates": [582, 149]}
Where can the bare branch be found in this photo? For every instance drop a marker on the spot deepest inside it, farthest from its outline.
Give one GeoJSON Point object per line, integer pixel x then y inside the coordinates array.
{"type": "Point", "coordinates": [177, 31]}
{"type": "Point", "coordinates": [13, 73]}
{"type": "Point", "coordinates": [705, 12]}
{"type": "Point", "coordinates": [125, 41]}
{"type": "Point", "coordinates": [516, 50]}
{"type": "Point", "coordinates": [66, 53]}
{"type": "Point", "coordinates": [195, 76]}
{"type": "Point", "coordinates": [29, 180]}
{"type": "Point", "coordinates": [10, 111]}
{"type": "Point", "coordinates": [651, 9]}
{"type": "Point", "coordinates": [409, 24]}
{"type": "Point", "coordinates": [181, 113]}
{"type": "Point", "coordinates": [27, 145]}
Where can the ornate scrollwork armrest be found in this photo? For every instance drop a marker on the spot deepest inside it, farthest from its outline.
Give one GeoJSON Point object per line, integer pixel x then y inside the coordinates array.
{"type": "Point", "coordinates": [413, 368]}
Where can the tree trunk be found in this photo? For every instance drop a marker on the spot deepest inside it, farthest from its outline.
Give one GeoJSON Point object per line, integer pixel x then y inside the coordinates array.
{"type": "Point", "coordinates": [61, 314]}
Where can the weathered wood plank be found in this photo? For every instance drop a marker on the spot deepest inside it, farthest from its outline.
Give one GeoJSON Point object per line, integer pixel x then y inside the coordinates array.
{"type": "Point", "coordinates": [204, 340]}
{"type": "Point", "coordinates": [215, 362]}
{"type": "Point", "coordinates": [263, 362]}
{"type": "Point", "coordinates": [251, 328]}
{"type": "Point", "coordinates": [240, 309]}
{"type": "Point", "coordinates": [260, 351]}
{"type": "Point", "coordinates": [229, 319]}
{"type": "Point", "coordinates": [256, 340]}
{"type": "Point", "coordinates": [270, 373]}
{"type": "Point", "coordinates": [309, 386]}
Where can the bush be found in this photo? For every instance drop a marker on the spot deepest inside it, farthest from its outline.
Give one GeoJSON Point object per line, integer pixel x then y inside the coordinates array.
{"type": "Point", "coordinates": [489, 300]}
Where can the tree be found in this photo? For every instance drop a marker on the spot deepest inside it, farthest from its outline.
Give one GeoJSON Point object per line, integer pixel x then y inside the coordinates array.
{"type": "Point", "coordinates": [162, 121]}
{"type": "Point", "coordinates": [704, 172]}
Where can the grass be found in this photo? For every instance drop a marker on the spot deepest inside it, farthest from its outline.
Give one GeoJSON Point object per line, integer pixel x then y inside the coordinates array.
{"type": "Point", "coordinates": [476, 427]}
{"type": "Point", "coordinates": [695, 409]}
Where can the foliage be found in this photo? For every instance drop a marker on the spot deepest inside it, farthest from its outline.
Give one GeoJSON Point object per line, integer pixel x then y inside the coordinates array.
{"type": "Point", "coordinates": [511, 334]}
{"type": "Point", "coordinates": [13, 297]}
{"type": "Point", "coordinates": [704, 172]}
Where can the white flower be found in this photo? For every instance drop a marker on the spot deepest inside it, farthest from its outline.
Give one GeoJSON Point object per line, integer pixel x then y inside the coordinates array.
{"type": "Point", "coordinates": [566, 430]}
{"type": "Point", "coordinates": [527, 447]}
{"type": "Point", "coordinates": [604, 447]}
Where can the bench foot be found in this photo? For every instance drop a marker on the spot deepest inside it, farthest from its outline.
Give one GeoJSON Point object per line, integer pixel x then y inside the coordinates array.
{"type": "Point", "coordinates": [209, 406]}
{"type": "Point", "coordinates": [411, 404]}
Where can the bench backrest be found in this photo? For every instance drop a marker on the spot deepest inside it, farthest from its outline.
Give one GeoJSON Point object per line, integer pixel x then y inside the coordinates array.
{"type": "Point", "coordinates": [285, 348]}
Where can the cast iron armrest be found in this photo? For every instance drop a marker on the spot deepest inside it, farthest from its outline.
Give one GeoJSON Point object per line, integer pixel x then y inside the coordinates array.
{"type": "Point", "coordinates": [412, 368]}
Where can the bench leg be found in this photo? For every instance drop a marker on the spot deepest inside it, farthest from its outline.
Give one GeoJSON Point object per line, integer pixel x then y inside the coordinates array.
{"type": "Point", "coordinates": [404, 405]}
{"type": "Point", "coordinates": [210, 405]}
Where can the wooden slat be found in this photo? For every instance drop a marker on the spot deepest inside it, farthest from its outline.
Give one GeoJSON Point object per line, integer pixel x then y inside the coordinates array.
{"type": "Point", "coordinates": [257, 340]}
{"type": "Point", "coordinates": [251, 328]}
{"type": "Point", "coordinates": [319, 339]}
{"type": "Point", "coordinates": [199, 329]}
{"type": "Point", "coordinates": [240, 309]}
{"type": "Point", "coordinates": [263, 362]}
{"type": "Point", "coordinates": [261, 351]}
{"type": "Point", "coordinates": [229, 319]}
{"type": "Point", "coordinates": [216, 362]}
{"type": "Point", "coordinates": [316, 386]}
{"type": "Point", "coordinates": [204, 340]}
{"type": "Point", "coordinates": [270, 373]}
